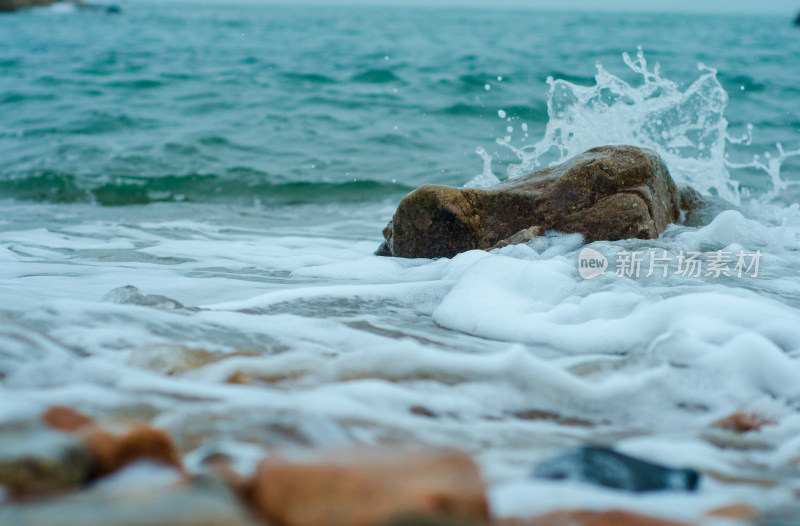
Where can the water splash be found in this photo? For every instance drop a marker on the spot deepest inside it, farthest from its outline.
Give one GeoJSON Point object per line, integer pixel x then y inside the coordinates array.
{"type": "Point", "coordinates": [487, 178]}
{"type": "Point", "coordinates": [686, 127]}
{"type": "Point", "coordinates": [772, 167]}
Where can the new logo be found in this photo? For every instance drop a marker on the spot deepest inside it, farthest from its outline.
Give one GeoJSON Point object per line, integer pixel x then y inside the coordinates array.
{"type": "Point", "coordinates": [591, 263]}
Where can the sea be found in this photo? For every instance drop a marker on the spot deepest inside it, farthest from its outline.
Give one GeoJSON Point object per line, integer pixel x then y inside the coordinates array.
{"type": "Point", "coordinates": [191, 194]}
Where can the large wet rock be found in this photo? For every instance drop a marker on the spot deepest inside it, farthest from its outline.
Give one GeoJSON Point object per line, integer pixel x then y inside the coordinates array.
{"type": "Point", "coordinates": [610, 192]}
{"type": "Point", "coordinates": [369, 487]}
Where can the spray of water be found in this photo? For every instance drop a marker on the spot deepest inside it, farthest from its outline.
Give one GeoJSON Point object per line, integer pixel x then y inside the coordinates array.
{"type": "Point", "coordinates": [686, 127]}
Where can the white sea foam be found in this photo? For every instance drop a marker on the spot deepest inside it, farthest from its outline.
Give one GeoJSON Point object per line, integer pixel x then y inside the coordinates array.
{"type": "Point", "coordinates": [340, 347]}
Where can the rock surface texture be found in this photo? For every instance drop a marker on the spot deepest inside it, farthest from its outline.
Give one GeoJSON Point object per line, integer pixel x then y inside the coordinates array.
{"type": "Point", "coordinates": [370, 487]}
{"type": "Point", "coordinates": [610, 192]}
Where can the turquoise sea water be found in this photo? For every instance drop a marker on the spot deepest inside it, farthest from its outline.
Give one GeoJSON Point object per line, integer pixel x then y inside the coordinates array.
{"type": "Point", "coordinates": [216, 176]}
{"type": "Point", "coordinates": [227, 103]}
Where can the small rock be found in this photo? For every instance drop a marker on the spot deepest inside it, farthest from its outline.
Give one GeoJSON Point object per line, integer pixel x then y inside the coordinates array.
{"type": "Point", "coordinates": [742, 422]}
{"type": "Point", "coordinates": [739, 479]}
{"type": "Point", "coordinates": [176, 360]}
{"type": "Point", "coordinates": [204, 501]}
{"type": "Point", "coordinates": [170, 359]}
{"type": "Point", "coordinates": [130, 295]}
{"type": "Point", "coordinates": [368, 488]}
{"type": "Point", "coordinates": [550, 416]}
{"type": "Point", "coordinates": [239, 377]}
{"type": "Point", "coordinates": [424, 520]}
{"type": "Point", "coordinates": [591, 518]}
{"type": "Point", "coordinates": [420, 410]}
{"type": "Point", "coordinates": [737, 512]}
{"type": "Point", "coordinates": [65, 419]}
{"type": "Point", "coordinates": [610, 192]}
{"type": "Point", "coordinates": [606, 467]}
{"type": "Point", "coordinates": [112, 451]}
{"type": "Point", "coordinates": [37, 461]}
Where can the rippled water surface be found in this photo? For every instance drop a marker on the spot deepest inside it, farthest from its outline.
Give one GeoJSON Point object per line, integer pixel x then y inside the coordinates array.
{"type": "Point", "coordinates": [191, 195]}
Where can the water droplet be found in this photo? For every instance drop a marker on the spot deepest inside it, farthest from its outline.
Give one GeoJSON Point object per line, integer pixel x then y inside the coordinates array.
{"type": "Point", "coordinates": [501, 113]}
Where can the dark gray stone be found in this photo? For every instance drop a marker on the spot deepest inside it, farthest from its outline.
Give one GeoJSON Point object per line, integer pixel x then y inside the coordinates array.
{"type": "Point", "coordinates": [606, 467]}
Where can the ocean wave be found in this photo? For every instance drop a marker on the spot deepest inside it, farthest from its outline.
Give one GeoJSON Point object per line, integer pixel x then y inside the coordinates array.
{"type": "Point", "coordinates": [376, 76]}
{"type": "Point", "coordinates": [58, 187]}
{"type": "Point", "coordinates": [310, 78]}
{"type": "Point", "coordinates": [527, 112]}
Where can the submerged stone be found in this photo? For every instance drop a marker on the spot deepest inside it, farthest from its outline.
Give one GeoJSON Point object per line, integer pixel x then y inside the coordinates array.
{"type": "Point", "coordinates": [742, 422]}
{"type": "Point", "coordinates": [606, 193]}
{"type": "Point", "coordinates": [591, 518]}
{"type": "Point", "coordinates": [130, 295]}
{"type": "Point", "coordinates": [203, 501]}
{"type": "Point", "coordinates": [112, 450]}
{"type": "Point", "coordinates": [35, 461]}
{"type": "Point", "coordinates": [699, 210]}
{"type": "Point", "coordinates": [606, 467]}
